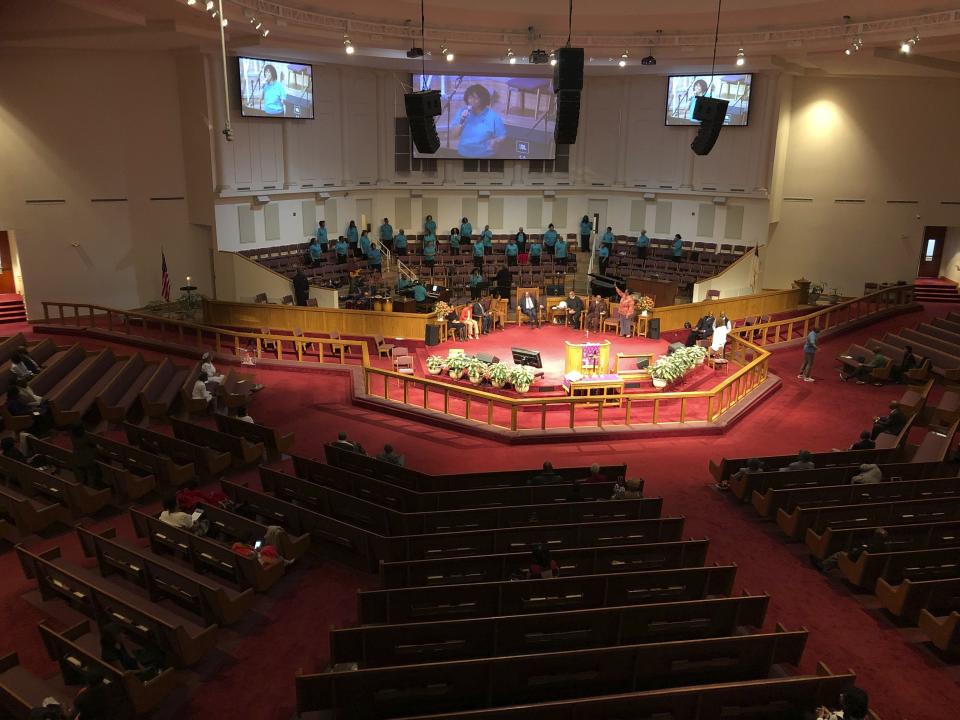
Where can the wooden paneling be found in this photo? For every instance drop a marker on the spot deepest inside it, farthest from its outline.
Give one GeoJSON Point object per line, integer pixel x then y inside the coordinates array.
{"type": "Point", "coordinates": [318, 320]}
{"type": "Point", "coordinates": [672, 318]}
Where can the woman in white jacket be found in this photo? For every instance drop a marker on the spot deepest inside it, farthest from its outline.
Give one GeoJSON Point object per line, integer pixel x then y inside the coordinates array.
{"type": "Point", "coordinates": [720, 331]}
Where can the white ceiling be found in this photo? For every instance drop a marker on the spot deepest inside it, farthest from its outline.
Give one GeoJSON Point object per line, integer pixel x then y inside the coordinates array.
{"type": "Point", "coordinates": [800, 36]}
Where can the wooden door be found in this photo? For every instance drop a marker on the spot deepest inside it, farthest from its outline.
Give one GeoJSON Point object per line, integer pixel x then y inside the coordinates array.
{"type": "Point", "coordinates": [6, 265]}
{"type": "Point", "coordinates": [931, 251]}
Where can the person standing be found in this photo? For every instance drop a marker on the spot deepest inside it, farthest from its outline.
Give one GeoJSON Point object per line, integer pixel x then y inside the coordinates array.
{"type": "Point", "coordinates": [560, 252]}
{"type": "Point", "coordinates": [608, 239]}
{"type": "Point", "coordinates": [487, 237]}
{"type": "Point", "coordinates": [386, 233]}
{"type": "Point", "coordinates": [400, 243]}
{"type": "Point", "coordinates": [454, 241]}
{"type": "Point", "coordinates": [810, 348]}
{"type": "Point", "coordinates": [429, 226]}
{"type": "Point", "coordinates": [321, 235]}
{"type": "Point", "coordinates": [535, 250]}
{"type": "Point", "coordinates": [375, 258]}
{"type": "Point", "coordinates": [314, 252]}
{"type": "Point", "coordinates": [643, 242]}
{"type": "Point", "coordinates": [586, 229]}
{"type": "Point", "coordinates": [504, 282]}
{"type": "Point", "coordinates": [511, 252]}
{"type": "Point", "coordinates": [604, 255]}
{"type": "Point", "coordinates": [301, 287]}
{"type": "Point", "coordinates": [550, 239]}
{"type": "Point", "coordinates": [677, 248]}
{"type": "Point", "coordinates": [478, 251]}
{"type": "Point", "coordinates": [521, 240]}
{"type": "Point", "coordinates": [353, 236]}
{"type": "Point", "coordinates": [476, 284]}
{"type": "Point", "coordinates": [466, 231]}
{"type": "Point", "coordinates": [342, 249]}
{"type": "Point", "coordinates": [429, 249]}
{"type": "Point", "coordinates": [625, 312]}
{"type": "Point", "coordinates": [365, 243]}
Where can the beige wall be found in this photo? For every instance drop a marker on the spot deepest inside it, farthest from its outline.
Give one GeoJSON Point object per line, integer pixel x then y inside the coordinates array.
{"type": "Point", "coordinates": [738, 279]}
{"type": "Point", "coordinates": [950, 262]}
{"type": "Point", "coordinates": [77, 127]}
{"type": "Point", "coordinates": [879, 141]}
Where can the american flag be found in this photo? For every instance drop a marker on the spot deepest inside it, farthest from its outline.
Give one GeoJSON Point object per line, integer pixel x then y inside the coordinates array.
{"type": "Point", "coordinates": [164, 279]}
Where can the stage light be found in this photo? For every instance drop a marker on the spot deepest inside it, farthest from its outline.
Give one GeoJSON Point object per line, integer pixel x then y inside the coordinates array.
{"type": "Point", "coordinates": [224, 22]}
{"type": "Point", "coordinates": [191, 3]}
{"type": "Point", "coordinates": [553, 59]}
{"type": "Point", "coordinates": [907, 45]}
{"type": "Point", "coordinates": [266, 32]}
{"type": "Point", "coordinates": [848, 51]}
{"type": "Point", "coordinates": [447, 53]}
{"type": "Point", "coordinates": [623, 59]}
{"type": "Point", "coordinates": [740, 58]}
{"type": "Point", "coordinates": [348, 46]}
{"type": "Point", "coordinates": [511, 58]}
{"type": "Point", "coordinates": [209, 5]}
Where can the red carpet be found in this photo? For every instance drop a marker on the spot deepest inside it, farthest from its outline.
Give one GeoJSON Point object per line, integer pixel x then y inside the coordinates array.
{"type": "Point", "coordinates": [904, 679]}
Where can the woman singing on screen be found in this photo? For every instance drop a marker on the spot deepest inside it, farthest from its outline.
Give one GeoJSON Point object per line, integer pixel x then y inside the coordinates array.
{"type": "Point", "coordinates": [699, 89]}
{"type": "Point", "coordinates": [479, 127]}
{"type": "Point", "coordinates": [274, 93]}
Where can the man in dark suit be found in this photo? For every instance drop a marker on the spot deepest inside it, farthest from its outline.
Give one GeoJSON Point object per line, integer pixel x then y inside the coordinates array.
{"type": "Point", "coordinates": [892, 423]}
{"type": "Point", "coordinates": [482, 316]}
{"type": "Point", "coordinates": [530, 307]}
{"type": "Point", "coordinates": [574, 309]}
{"type": "Point", "coordinates": [705, 326]}
{"type": "Point", "coordinates": [546, 477]}
{"type": "Point", "coordinates": [504, 281]}
{"type": "Point", "coordinates": [301, 287]}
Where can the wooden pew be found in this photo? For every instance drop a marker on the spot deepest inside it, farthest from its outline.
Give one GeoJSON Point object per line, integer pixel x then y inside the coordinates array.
{"type": "Point", "coordinates": [514, 597]}
{"type": "Point", "coordinates": [768, 699]}
{"type": "Point", "coordinates": [414, 480]}
{"type": "Point", "coordinates": [161, 389]}
{"type": "Point", "coordinates": [189, 404]}
{"type": "Point", "coordinates": [371, 547]}
{"type": "Point", "coordinates": [916, 536]}
{"type": "Point", "coordinates": [789, 499]}
{"type": "Point", "coordinates": [207, 462]}
{"type": "Point", "coordinates": [78, 647]}
{"type": "Point", "coordinates": [292, 547]}
{"type": "Point", "coordinates": [185, 641]}
{"type": "Point", "coordinates": [21, 690]}
{"type": "Point", "coordinates": [728, 466]}
{"type": "Point", "coordinates": [27, 515]}
{"type": "Point", "coordinates": [204, 554]}
{"type": "Point", "coordinates": [78, 392]}
{"type": "Point", "coordinates": [943, 630]}
{"type": "Point", "coordinates": [199, 594]}
{"type": "Point", "coordinates": [795, 524]}
{"type": "Point", "coordinates": [79, 499]}
{"type": "Point", "coordinates": [413, 643]}
{"type": "Point", "coordinates": [947, 409]}
{"type": "Point", "coordinates": [747, 485]}
{"type": "Point", "coordinates": [163, 468]}
{"type": "Point", "coordinates": [390, 522]}
{"type": "Point", "coordinates": [125, 484]}
{"type": "Point", "coordinates": [936, 444]}
{"type": "Point", "coordinates": [493, 682]}
{"type": "Point", "coordinates": [236, 390]}
{"type": "Point", "coordinates": [403, 499]}
{"type": "Point", "coordinates": [888, 440]}
{"type": "Point", "coordinates": [10, 345]}
{"type": "Point", "coordinates": [119, 396]}
{"type": "Point", "coordinates": [905, 600]}
{"type": "Point", "coordinates": [57, 369]}
{"type": "Point", "coordinates": [895, 567]}
{"type": "Point", "coordinates": [243, 452]}
{"type": "Point", "coordinates": [572, 561]}
{"type": "Point", "coordinates": [275, 443]}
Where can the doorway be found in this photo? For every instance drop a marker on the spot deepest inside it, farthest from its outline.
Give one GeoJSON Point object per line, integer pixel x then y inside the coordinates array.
{"type": "Point", "coordinates": [597, 210]}
{"type": "Point", "coordinates": [931, 251]}
{"type": "Point", "coordinates": [364, 210]}
{"type": "Point", "coordinates": [7, 283]}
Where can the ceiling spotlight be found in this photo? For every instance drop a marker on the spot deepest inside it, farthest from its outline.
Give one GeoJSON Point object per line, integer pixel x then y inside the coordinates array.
{"type": "Point", "coordinates": [623, 59]}
{"type": "Point", "coordinates": [854, 46]}
{"type": "Point", "coordinates": [740, 58]}
{"type": "Point", "coordinates": [848, 51]}
{"type": "Point", "coordinates": [191, 2]}
{"type": "Point", "coordinates": [907, 45]}
{"type": "Point", "coordinates": [266, 32]}
{"type": "Point", "coordinates": [447, 53]}
{"type": "Point", "coordinates": [224, 22]}
{"type": "Point", "coordinates": [348, 46]}
{"type": "Point", "coordinates": [553, 59]}
{"type": "Point", "coordinates": [258, 25]}
{"type": "Point", "coordinates": [209, 5]}
{"type": "Point", "coordinates": [511, 58]}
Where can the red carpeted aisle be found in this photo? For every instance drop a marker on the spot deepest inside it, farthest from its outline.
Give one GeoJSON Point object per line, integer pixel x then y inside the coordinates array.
{"type": "Point", "coordinates": [904, 679]}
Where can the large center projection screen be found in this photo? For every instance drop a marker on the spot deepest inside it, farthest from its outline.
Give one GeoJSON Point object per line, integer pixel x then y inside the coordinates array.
{"type": "Point", "coordinates": [500, 118]}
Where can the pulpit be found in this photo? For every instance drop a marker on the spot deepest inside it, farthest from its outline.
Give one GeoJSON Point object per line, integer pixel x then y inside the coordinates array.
{"type": "Point", "coordinates": [588, 358]}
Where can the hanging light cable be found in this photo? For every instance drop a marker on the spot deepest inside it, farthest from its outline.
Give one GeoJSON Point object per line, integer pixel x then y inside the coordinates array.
{"type": "Point", "coordinates": [227, 128]}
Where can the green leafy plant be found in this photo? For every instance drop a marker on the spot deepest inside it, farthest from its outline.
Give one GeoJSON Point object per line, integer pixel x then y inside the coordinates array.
{"type": "Point", "coordinates": [499, 373]}
{"type": "Point", "coordinates": [521, 377]}
{"type": "Point", "coordinates": [476, 369]}
{"type": "Point", "coordinates": [435, 364]}
{"type": "Point", "coordinates": [456, 365]}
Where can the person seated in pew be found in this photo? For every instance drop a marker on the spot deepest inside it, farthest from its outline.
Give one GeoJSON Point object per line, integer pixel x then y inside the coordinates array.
{"type": "Point", "coordinates": [542, 564]}
{"type": "Point", "coordinates": [85, 465]}
{"type": "Point", "coordinates": [344, 444]}
{"type": "Point", "coordinates": [243, 415]}
{"type": "Point", "coordinates": [266, 553]}
{"type": "Point", "coordinates": [877, 543]}
{"type": "Point", "coordinates": [865, 442]}
{"type": "Point", "coordinates": [97, 699]}
{"type": "Point", "coordinates": [42, 421]}
{"type": "Point", "coordinates": [201, 391]}
{"type": "Point", "coordinates": [854, 705]}
{"type": "Point", "coordinates": [26, 393]}
{"type": "Point", "coordinates": [22, 365]}
{"type": "Point", "coordinates": [546, 477]}
{"type": "Point", "coordinates": [207, 366]}
{"type": "Point", "coordinates": [870, 474]}
{"type": "Point", "coordinates": [146, 661]}
{"type": "Point", "coordinates": [891, 423]}
{"type": "Point", "coordinates": [50, 709]}
{"type": "Point", "coordinates": [899, 370]}
{"type": "Point", "coordinates": [753, 466]}
{"type": "Point", "coordinates": [692, 334]}
{"type": "Point", "coordinates": [388, 455]}
{"type": "Point", "coordinates": [9, 449]}
{"type": "Point", "coordinates": [175, 517]}
{"type": "Point", "coordinates": [863, 369]}
{"type": "Point", "coordinates": [632, 489]}
{"type": "Point", "coordinates": [189, 496]}
{"type": "Point", "coordinates": [595, 475]}
{"type": "Point", "coordinates": [804, 461]}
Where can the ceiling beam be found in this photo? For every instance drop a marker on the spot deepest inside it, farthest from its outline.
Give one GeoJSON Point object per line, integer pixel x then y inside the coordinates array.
{"type": "Point", "coordinates": [950, 66]}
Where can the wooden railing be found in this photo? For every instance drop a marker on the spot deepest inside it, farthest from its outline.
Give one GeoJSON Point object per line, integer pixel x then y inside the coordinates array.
{"type": "Point", "coordinates": [830, 318]}
{"type": "Point", "coordinates": [202, 337]}
{"type": "Point", "coordinates": [535, 413]}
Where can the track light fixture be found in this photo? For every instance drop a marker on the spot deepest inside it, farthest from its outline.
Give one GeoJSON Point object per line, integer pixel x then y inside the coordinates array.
{"type": "Point", "coordinates": [854, 46]}
{"type": "Point", "coordinates": [740, 58]}
{"type": "Point", "coordinates": [553, 59]}
{"type": "Point", "coordinates": [447, 53]}
{"type": "Point", "coordinates": [209, 5]}
{"type": "Point", "coordinates": [511, 58]}
{"type": "Point", "coordinates": [907, 45]}
{"type": "Point", "coordinates": [348, 46]}
{"type": "Point", "coordinates": [624, 56]}
{"type": "Point", "coordinates": [191, 3]}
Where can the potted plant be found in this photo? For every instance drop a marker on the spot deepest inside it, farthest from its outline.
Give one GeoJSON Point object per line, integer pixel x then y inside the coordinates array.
{"type": "Point", "coordinates": [668, 369]}
{"type": "Point", "coordinates": [521, 377]}
{"type": "Point", "coordinates": [476, 370]}
{"type": "Point", "coordinates": [441, 310]}
{"type": "Point", "coordinates": [456, 366]}
{"type": "Point", "coordinates": [645, 304]}
{"type": "Point", "coordinates": [498, 373]}
{"type": "Point", "coordinates": [435, 364]}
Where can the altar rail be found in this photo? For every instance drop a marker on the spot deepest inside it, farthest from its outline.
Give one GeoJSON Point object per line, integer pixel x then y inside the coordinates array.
{"type": "Point", "coordinates": [193, 336]}
{"type": "Point", "coordinates": [566, 413]}
{"type": "Point", "coordinates": [829, 319]}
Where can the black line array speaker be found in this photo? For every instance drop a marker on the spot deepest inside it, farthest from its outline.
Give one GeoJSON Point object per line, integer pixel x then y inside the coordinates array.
{"type": "Point", "coordinates": [567, 85]}
{"type": "Point", "coordinates": [431, 335]}
{"type": "Point", "coordinates": [653, 329]}
{"type": "Point", "coordinates": [710, 112]}
{"type": "Point", "coordinates": [487, 357]}
{"type": "Point", "coordinates": [422, 108]}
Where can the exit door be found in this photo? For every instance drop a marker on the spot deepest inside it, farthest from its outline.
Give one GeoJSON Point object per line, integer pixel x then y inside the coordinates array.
{"type": "Point", "coordinates": [931, 251]}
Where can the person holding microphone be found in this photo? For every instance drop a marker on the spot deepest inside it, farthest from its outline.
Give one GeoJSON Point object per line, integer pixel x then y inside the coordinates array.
{"type": "Point", "coordinates": [479, 128]}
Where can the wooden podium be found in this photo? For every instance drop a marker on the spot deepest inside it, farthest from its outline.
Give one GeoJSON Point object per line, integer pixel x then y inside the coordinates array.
{"type": "Point", "coordinates": [590, 358]}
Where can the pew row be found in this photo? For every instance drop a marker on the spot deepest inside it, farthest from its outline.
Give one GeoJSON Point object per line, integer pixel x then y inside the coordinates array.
{"type": "Point", "coordinates": [78, 391]}
{"type": "Point", "coordinates": [163, 387]}
{"type": "Point", "coordinates": [166, 470]}
{"type": "Point", "coordinates": [942, 629]}
{"type": "Point", "coordinates": [120, 395]}
{"type": "Point", "coordinates": [28, 515]}
{"type": "Point", "coordinates": [241, 451]}
{"type": "Point", "coordinates": [895, 567]}
{"type": "Point", "coordinates": [207, 462]}
{"type": "Point", "coordinates": [20, 690]}
{"type": "Point", "coordinates": [912, 536]}
{"type": "Point", "coordinates": [79, 499]}
{"type": "Point", "coordinates": [125, 484]}
{"type": "Point", "coordinates": [271, 438]}
{"type": "Point", "coordinates": [728, 466]}
{"type": "Point", "coordinates": [906, 599]}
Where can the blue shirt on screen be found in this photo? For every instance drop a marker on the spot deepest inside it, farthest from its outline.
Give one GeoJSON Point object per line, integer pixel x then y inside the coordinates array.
{"type": "Point", "coordinates": [478, 130]}
{"type": "Point", "coordinates": [274, 93]}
